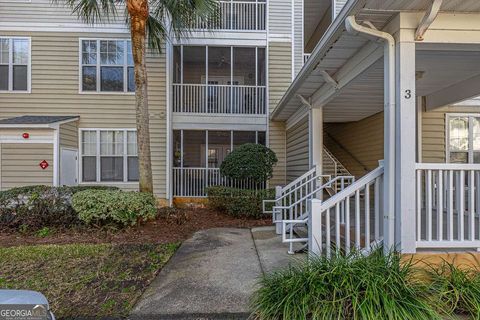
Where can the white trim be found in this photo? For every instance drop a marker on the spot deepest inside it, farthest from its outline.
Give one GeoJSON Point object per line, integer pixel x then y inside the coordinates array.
{"type": "Point", "coordinates": [13, 141]}
{"type": "Point", "coordinates": [292, 26]}
{"type": "Point", "coordinates": [56, 156]}
{"type": "Point", "coordinates": [169, 137]}
{"type": "Point", "coordinates": [447, 166]}
{"type": "Point", "coordinates": [10, 65]}
{"type": "Point", "coordinates": [470, 150]}
{"type": "Point", "coordinates": [98, 66]}
{"type": "Point", "coordinates": [64, 27]}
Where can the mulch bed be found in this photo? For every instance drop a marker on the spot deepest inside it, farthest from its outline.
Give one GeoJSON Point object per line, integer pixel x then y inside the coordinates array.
{"type": "Point", "coordinates": [172, 225]}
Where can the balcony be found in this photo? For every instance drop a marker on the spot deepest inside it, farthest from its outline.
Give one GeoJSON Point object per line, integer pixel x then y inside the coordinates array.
{"type": "Point", "coordinates": [227, 99]}
{"type": "Point", "coordinates": [236, 16]}
{"type": "Point", "coordinates": [198, 155]}
{"type": "Point", "coordinates": [219, 80]}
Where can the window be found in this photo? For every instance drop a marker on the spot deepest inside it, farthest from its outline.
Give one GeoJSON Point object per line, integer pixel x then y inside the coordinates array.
{"type": "Point", "coordinates": [14, 64]}
{"type": "Point", "coordinates": [463, 138]}
{"type": "Point", "coordinates": [107, 66]}
{"type": "Point", "coordinates": [109, 156]}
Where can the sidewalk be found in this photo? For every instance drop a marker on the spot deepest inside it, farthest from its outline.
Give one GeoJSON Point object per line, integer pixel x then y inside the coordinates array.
{"type": "Point", "coordinates": [213, 274]}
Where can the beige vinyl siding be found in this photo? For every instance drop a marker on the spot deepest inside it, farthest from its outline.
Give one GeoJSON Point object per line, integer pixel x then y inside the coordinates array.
{"type": "Point", "coordinates": [34, 133]}
{"type": "Point", "coordinates": [20, 164]}
{"type": "Point", "coordinates": [280, 16]}
{"type": "Point", "coordinates": [55, 91]}
{"type": "Point", "coordinates": [361, 140]}
{"type": "Point", "coordinates": [42, 12]}
{"type": "Point", "coordinates": [297, 150]}
{"type": "Point", "coordinates": [277, 144]}
{"type": "Point", "coordinates": [280, 71]}
{"type": "Point", "coordinates": [280, 76]}
{"type": "Point", "coordinates": [69, 135]}
{"type": "Point", "coordinates": [434, 131]}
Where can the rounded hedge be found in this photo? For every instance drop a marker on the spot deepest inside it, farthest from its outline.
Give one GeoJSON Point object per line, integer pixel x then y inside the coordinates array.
{"type": "Point", "coordinates": [249, 161]}
{"type": "Point", "coordinates": [102, 207]}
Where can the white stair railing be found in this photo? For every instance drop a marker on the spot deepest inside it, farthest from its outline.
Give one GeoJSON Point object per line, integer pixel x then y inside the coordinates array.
{"type": "Point", "coordinates": [297, 212]}
{"type": "Point", "coordinates": [349, 219]}
{"type": "Point", "coordinates": [285, 195]}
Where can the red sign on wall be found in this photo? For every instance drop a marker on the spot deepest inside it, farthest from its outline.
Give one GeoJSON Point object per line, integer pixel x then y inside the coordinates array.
{"type": "Point", "coordinates": [43, 164]}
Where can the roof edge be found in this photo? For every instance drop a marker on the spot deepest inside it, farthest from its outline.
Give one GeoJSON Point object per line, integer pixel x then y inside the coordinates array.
{"type": "Point", "coordinates": [351, 7]}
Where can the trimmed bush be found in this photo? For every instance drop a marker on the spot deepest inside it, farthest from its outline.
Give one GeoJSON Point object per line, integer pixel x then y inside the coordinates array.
{"type": "Point", "coordinates": [344, 287]}
{"type": "Point", "coordinates": [117, 207]}
{"type": "Point", "coordinates": [249, 161]}
{"type": "Point", "coordinates": [32, 208]}
{"type": "Point", "coordinates": [239, 202]}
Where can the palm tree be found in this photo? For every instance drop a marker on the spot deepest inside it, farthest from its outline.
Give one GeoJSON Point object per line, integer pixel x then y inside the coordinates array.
{"type": "Point", "coordinates": [151, 22]}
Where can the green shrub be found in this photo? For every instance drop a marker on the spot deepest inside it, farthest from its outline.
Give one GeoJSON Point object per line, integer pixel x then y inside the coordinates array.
{"type": "Point", "coordinates": [34, 207]}
{"type": "Point", "coordinates": [249, 161]}
{"type": "Point", "coordinates": [239, 202]}
{"type": "Point", "coordinates": [455, 290]}
{"type": "Point", "coordinates": [344, 287]}
{"type": "Point", "coordinates": [102, 207]}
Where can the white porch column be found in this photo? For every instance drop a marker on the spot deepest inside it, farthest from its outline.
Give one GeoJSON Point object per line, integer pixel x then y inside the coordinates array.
{"type": "Point", "coordinates": [405, 141]}
{"type": "Point", "coordinates": [316, 138]}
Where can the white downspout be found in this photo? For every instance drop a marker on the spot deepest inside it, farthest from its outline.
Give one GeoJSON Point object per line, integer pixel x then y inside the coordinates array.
{"type": "Point", "coordinates": [389, 123]}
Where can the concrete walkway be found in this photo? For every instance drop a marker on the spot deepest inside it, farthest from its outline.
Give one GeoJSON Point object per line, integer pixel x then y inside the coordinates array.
{"type": "Point", "coordinates": [213, 274]}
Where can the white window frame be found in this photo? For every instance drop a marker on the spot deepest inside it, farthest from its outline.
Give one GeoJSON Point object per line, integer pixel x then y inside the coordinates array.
{"type": "Point", "coordinates": [98, 156]}
{"type": "Point", "coordinates": [98, 66]}
{"type": "Point", "coordinates": [10, 65]}
{"type": "Point", "coordinates": [15, 1]}
{"type": "Point", "coordinates": [470, 150]}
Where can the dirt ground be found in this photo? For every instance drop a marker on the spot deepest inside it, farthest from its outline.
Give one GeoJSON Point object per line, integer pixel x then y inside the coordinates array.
{"type": "Point", "coordinates": [172, 225]}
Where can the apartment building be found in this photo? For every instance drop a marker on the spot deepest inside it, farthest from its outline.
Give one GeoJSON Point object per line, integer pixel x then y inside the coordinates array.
{"type": "Point", "coordinates": [67, 101]}
{"type": "Point", "coordinates": [382, 132]}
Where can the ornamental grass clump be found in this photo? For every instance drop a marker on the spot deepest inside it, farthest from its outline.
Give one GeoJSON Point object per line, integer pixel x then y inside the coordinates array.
{"type": "Point", "coordinates": [455, 289]}
{"type": "Point", "coordinates": [351, 286]}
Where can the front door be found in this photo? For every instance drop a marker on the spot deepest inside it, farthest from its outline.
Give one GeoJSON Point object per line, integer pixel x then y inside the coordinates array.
{"type": "Point", "coordinates": [68, 167]}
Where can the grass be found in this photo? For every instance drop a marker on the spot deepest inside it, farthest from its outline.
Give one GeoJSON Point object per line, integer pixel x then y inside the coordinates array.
{"type": "Point", "coordinates": [84, 280]}
{"type": "Point", "coordinates": [455, 289]}
{"type": "Point", "coordinates": [344, 287]}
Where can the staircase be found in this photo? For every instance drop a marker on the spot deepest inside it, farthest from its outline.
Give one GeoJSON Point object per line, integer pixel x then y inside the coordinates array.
{"type": "Point", "coordinates": [333, 167]}
{"type": "Point", "coordinates": [290, 210]}
{"type": "Point", "coordinates": [349, 218]}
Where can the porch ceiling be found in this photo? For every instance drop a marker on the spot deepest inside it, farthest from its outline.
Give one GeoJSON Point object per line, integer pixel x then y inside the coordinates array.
{"type": "Point", "coordinates": [337, 48]}
{"type": "Point", "coordinates": [437, 71]}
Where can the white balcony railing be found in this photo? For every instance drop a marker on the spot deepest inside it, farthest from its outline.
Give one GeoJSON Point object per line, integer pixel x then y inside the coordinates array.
{"type": "Point", "coordinates": [236, 15]}
{"type": "Point", "coordinates": [193, 182]}
{"type": "Point", "coordinates": [202, 98]}
{"type": "Point", "coordinates": [448, 205]}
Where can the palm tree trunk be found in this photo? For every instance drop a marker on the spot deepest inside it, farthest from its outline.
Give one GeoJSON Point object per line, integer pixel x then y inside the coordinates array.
{"type": "Point", "coordinates": [139, 12]}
